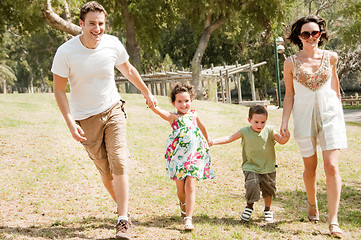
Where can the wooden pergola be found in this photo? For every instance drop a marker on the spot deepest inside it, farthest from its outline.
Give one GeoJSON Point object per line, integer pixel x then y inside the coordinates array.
{"type": "Point", "coordinates": [225, 73]}
{"type": "Point", "coordinates": [160, 82]}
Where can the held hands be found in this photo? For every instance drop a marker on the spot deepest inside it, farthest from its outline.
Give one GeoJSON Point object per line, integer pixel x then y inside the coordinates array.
{"type": "Point", "coordinates": [284, 131]}
{"type": "Point", "coordinates": [150, 100]}
{"type": "Point", "coordinates": [77, 132]}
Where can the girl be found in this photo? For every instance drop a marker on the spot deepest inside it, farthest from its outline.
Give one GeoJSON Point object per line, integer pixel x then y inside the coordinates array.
{"type": "Point", "coordinates": [313, 93]}
{"type": "Point", "coordinates": [187, 157]}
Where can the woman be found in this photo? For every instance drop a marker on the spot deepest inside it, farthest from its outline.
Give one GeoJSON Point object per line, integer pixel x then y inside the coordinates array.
{"type": "Point", "coordinates": [313, 93]}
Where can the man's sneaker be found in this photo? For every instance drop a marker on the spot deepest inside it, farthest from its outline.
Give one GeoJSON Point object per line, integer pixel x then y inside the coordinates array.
{"type": "Point", "coordinates": [123, 229]}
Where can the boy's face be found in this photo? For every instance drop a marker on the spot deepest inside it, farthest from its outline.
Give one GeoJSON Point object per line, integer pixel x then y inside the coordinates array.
{"type": "Point", "coordinates": [258, 122]}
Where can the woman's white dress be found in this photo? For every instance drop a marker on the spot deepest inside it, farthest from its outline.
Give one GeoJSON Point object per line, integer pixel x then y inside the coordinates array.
{"type": "Point", "coordinates": [317, 111]}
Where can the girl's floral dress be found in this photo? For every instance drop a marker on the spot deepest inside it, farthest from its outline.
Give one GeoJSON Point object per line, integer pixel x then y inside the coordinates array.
{"type": "Point", "coordinates": [187, 152]}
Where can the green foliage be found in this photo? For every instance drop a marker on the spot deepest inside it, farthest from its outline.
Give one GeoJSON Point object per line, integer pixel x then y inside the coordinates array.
{"type": "Point", "coordinates": [348, 25]}
{"type": "Point", "coordinates": [171, 29]}
{"type": "Point", "coordinates": [23, 15]}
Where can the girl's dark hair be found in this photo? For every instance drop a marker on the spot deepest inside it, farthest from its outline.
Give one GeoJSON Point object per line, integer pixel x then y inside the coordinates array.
{"type": "Point", "coordinates": [181, 87]}
{"type": "Point", "coordinates": [257, 109]}
{"type": "Point", "coordinates": [296, 30]}
{"type": "Point", "coordinates": [92, 6]}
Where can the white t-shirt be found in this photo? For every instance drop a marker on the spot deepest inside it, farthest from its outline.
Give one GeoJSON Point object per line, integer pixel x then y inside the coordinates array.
{"type": "Point", "coordinates": [90, 73]}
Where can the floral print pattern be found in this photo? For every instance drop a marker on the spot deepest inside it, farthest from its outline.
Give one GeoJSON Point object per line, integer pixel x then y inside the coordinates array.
{"type": "Point", "coordinates": [315, 80]}
{"type": "Point", "coordinates": [187, 151]}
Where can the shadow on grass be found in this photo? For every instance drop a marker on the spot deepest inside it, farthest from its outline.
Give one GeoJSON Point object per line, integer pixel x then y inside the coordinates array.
{"type": "Point", "coordinates": [59, 230]}
{"type": "Point", "coordinates": [349, 210]}
{"type": "Point", "coordinates": [294, 204]}
{"type": "Point", "coordinates": [254, 224]}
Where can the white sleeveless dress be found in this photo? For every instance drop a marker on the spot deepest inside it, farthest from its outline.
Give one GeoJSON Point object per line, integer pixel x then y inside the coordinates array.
{"type": "Point", "coordinates": [317, 111]}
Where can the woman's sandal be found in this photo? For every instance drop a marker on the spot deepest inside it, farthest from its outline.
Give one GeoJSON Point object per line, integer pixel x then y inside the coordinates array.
{"type": "Point", "coordinates": [188, 226]}
{"type": "Point", "coordinates": [313, 208]}
{"type": "Point", "coordinates": [183, 209]}
{"type": "Point", "coordinates": [335, 230]}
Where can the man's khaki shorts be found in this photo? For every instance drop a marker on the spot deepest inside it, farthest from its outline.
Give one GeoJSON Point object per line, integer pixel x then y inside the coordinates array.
{"type": "Point", "coordinates": [106, 142]}
{"type": "Point", "coordinates": [255, 183]}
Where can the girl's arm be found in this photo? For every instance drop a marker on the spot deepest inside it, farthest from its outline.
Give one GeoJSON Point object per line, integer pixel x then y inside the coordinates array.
{"type": "Point", "coordinates": [228, 139]}
{"type": "Point", "coordinates": [289, 97]}
{"type": "Point", "coordinates": [168, 116]}
{"type": "Point", "coordinates": [279, 138]}
{"type": "Point", "coordinates": [203, 129]}
{"type": "Point", "coordinates": [335, 82]}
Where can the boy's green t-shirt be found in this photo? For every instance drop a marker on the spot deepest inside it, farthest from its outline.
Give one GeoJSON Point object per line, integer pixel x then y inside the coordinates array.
{"type": "Point", "coordinates": [258, 151]}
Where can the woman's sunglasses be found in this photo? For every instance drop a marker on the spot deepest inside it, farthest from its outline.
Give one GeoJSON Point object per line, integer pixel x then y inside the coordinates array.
{"type": "Point", "coordinates": [307, 35]}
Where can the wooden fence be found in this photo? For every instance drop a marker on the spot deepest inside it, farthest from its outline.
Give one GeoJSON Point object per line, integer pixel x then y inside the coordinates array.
{"type": "Point", "coordinates": [351, 100]}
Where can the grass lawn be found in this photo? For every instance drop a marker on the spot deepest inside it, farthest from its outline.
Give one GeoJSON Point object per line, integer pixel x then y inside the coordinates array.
{"type": "Point", "coordinates": [352, 107]}
{"type": "Point", "coordinates": [51, 190]}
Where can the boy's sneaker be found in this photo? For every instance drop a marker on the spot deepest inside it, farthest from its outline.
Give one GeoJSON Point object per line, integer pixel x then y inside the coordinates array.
{"type": "Point", "coordinates": [246, 214]}
{"type": "Point", "coordinates": [268, 216]}
{"type": "Point", "coordinates": [123, 229]}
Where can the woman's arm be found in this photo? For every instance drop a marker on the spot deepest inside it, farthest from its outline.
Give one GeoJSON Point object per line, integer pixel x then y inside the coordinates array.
{"type": "Point", "coordinates": [289, 96]}
{"type": "Point", "coordinates": [280, 139]}
{"type": "Point", "coordinates": [335, 82]}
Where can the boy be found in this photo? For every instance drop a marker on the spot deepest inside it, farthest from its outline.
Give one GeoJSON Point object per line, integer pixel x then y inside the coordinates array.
{"type": "Point", "coordinates": [259, 160]}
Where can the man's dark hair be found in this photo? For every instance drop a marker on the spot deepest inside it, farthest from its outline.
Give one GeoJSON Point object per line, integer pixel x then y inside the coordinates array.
{"type": "Point", "coordinates": [92, 6]}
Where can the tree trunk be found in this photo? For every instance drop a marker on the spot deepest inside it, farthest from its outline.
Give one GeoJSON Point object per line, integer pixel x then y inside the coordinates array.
{"type": "Point", "coordinates": [197, 58]}
{"type": "Point", "coordinates": [4, 85]}
{"type": "Point", "coordinates": [56, 22]}
{"type": "Point", "coordinates": [349, 62]}
{"type": "Point", "coordinates": [131, 44]}
{"type": "Point", "coordinates": [31, 85]}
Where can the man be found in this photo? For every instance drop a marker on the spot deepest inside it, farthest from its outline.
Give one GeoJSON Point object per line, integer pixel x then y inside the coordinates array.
{"type": "Point", "coordinates": [97, 117]}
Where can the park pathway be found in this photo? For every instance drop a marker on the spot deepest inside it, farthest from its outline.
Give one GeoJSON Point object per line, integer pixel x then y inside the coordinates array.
{"type": "Point", "coordinates": [352, 115]}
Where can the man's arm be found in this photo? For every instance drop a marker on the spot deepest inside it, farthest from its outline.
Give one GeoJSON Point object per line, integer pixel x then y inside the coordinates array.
{"type": "Point", "coordinates": [63, 104]}
{"type": "Point", "coordinates": [131, 73]}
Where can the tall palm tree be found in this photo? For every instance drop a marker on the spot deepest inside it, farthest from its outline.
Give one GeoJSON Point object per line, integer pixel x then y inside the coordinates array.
{"type": "Point", "coordinates": [7, 75]}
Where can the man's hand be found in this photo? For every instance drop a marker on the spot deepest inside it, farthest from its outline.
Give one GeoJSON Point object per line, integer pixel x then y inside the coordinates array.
{"type": "Point", "coordinates": [77, 132]}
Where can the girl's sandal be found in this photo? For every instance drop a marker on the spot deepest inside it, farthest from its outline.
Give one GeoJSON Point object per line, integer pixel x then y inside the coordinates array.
{"type": "Point", "coordinates": [335, 230]}
{"type": "Point", "coordinates": [188, 226]}
{"type": "Point", "coordinates": [183, 209]}
{"type": "Point", "coordinates": [313, 208]}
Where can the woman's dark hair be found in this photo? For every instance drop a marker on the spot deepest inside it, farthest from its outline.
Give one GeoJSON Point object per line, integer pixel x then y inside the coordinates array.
{"type": "Point", "coordinates": [92, 6]}
{"type": "Point", "coordinates": [257, 109]}
{"type": "Point", "coordinates": [181, 87]}
{"type": "Point", "coordinates": [296, 30]}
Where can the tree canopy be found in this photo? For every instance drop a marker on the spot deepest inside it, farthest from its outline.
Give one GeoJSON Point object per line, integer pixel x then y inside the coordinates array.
{"type": "Point", "coordinates": [185, 34]}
